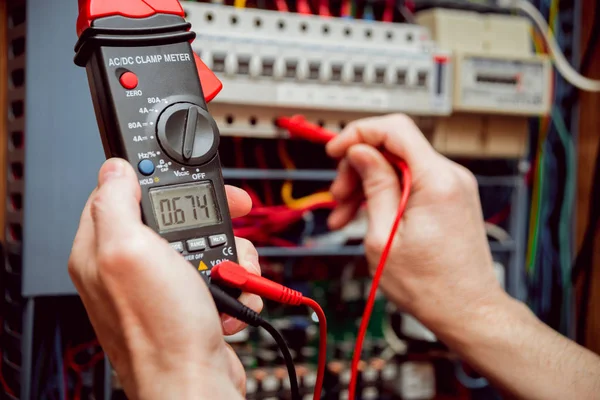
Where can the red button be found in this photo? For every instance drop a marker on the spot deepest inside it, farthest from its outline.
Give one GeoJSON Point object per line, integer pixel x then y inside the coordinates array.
{"type": "Point", "coordinates": [129, 80]}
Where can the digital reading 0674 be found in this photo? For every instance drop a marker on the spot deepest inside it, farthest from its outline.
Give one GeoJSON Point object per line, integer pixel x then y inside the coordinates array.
{"type": "Point", "coordinates": [185, 206]}
{"type": "Point", "coordinates": [150, 91]}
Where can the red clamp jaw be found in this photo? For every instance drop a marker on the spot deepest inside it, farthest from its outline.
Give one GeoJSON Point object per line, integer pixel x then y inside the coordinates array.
{"type": "Point", "coordinates": [90, 10]}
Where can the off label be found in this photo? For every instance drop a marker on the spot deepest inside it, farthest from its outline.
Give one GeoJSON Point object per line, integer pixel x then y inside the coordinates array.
{"type": "Point", "coordinates": [192, 257]}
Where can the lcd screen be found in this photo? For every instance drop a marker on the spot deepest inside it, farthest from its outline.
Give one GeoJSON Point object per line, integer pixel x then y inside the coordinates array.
{"type": "Point", "coordinates": [185, 206]}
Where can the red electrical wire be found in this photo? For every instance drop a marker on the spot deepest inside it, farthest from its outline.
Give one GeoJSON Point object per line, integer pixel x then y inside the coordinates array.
{"type": "Point", "coordinates": [236, 276]}
{"type": "Point", "coordinates": [5, 386]}
{"type": "Point", "coordinates": [345, 9]}
{"type": "Point", "coordinates": [281, 6]}
{"type": "Point", "coordinates": [324, 8]}
{"type": "Point", "coordinates": [300, 128]}
{"type": "Point", "coordinates": [388, 13]}
{"type": "Point", "coordinates": [70, 363]}
{"type": "Point", "coordinates": [303, 7]}
{"type": "Point", "coordinates": [364, 323]}
{"type": "Point", "coordinates": [322, 344]}
{"type": "Point", "coordinates": [500, 216]}
{"type": "Point", "coordinates": [263, 223]}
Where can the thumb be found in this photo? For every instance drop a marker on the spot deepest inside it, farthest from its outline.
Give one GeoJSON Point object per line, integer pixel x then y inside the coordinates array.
{"type": "Point", "coordinates": [115, 208]}
{"type": "Point", "coordinates": [380, 186]}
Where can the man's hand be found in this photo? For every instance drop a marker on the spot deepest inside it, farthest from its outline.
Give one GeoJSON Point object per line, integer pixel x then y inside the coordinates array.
{"type": "Point", "coordinates": [440, 261]}
{"type": "Point", "coordinates": [440, 267]}
{"type": "Point", "coordinates": [150, 309]}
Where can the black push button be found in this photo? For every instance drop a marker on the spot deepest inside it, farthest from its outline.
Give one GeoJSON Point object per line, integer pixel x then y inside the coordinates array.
{"type": "Point", "coordinates": [177, 246]}
{"type": "Point", "coordinates": [217, 240]}
{"type": "Point", "coordinates": [188, 134]}
{"type": "Point", "coordinates": [198, 244]}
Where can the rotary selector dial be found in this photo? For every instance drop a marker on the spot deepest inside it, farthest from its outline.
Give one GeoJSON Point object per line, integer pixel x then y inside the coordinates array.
{"type": "Point", "coordinates": [188, 134]}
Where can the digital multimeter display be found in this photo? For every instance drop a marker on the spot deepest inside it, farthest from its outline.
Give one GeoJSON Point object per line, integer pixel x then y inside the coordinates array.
{"type": "Point", "coordinates": [185, 206]}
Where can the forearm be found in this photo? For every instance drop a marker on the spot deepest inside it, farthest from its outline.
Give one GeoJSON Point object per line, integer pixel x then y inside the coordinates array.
{"type": "Point", "coordinates": [505, 342]}
{"type": "Point", "coordinates": [184, 382]}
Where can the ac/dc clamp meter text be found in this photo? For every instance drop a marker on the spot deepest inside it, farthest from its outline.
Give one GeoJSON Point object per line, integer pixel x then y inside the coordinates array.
{"type": "Point", "coordinates": [150, 91]}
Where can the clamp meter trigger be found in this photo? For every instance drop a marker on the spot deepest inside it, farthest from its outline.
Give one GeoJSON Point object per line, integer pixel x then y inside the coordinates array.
{"type": "Point", "coordinates": [150, 92]}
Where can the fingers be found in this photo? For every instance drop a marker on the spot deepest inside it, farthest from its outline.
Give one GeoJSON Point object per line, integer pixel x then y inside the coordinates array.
{"type": "Point", "coordinates": [247, 255]}
{"type": "Point", "coordinates": [380, 185]}
{"type": "Point", "coordinates": [346, 183]}
{"type": "Point", "coordinates": [396, 133]}
{"type": "Point", "coordinates": [239, 201]}
{"type": "Point", "coordinates": [115, 209]}
{"type": "Point", "coordinates": [347, 192]}
{"type": "Point", "coordinates": [231, 325]}
{"type": "Point", "coordinates": [345, 211]}
{"type": "Point", "coordinates": [248, 258]}
{"type": "Point", "coordinates": [84, 244]}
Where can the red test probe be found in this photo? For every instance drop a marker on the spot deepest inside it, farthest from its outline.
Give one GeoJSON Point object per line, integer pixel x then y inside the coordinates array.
{"type": "Point", "coordinates": [231, 274]}
{"type": "Point", "coordinates": [299, 128]}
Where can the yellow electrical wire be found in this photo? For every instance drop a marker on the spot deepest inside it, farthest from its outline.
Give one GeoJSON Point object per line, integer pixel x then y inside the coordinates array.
{"type": "Point", "coordinates": [287, 188]}
{"type": "Point", "coordinates": [543, 132]}
{"type": "Point", "coordinates": [239, 3]}
{"type": "Point", "coordinates": [552, 16]}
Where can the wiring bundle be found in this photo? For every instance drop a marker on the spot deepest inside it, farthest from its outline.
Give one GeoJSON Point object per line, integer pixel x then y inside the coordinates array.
{"type": "Point", "coordinates": [549, 251]}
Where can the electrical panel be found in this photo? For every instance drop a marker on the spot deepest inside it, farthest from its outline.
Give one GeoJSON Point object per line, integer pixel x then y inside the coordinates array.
{"type": "Point", "coordinates": [331, 70]}
{"type": "Point", "coordinates": [289, 62]}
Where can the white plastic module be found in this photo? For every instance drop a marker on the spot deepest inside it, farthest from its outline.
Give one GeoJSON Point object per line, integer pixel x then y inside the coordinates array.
{"type": "Point", "coordinates": [498, 83]}
{"type": "Point", "coordinates": [258, 122]}
{"type": "Point", "coordinates": [495, 69]}
{"type": "Point", "coordinates": [297, 62]}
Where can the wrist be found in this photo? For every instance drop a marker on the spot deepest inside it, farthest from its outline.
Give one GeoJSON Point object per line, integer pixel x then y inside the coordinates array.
{"type": "Point", "coordinates": [482, 314]}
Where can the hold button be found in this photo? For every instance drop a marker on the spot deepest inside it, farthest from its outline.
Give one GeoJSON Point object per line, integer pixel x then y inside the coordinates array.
{"type": "Point", "coordinates": [146, 167]}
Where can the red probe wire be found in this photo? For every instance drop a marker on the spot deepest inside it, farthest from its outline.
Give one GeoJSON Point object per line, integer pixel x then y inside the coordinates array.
{"type": "Point", "coordinates": [231, 274]}
{"type": "Point", "coordinates": [298, 127]}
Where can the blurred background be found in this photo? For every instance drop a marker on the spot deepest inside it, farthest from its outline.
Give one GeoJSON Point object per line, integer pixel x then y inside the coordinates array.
{"type": "Point", "coordinates": [479, 79]}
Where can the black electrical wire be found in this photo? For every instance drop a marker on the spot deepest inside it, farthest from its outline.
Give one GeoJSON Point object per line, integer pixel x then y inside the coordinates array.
{"type": "Point", "coordinates": [287, 357]}
{"type": "Point", "coordinates": [231, 306]}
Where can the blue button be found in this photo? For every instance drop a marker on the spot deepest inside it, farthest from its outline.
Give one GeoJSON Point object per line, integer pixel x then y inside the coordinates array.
{"type": "Point", "coordinates": [146, 167]}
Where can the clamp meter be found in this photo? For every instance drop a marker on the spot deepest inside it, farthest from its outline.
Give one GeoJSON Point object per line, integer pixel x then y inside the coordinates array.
{"type": "Point", "coordinates": [150, 93]}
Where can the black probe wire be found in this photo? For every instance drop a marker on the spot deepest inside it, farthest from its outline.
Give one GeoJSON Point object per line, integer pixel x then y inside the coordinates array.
{"type": "Point", "coordinates": [287, 357]}
{"type": "Point", "coordinates": [231, 306]}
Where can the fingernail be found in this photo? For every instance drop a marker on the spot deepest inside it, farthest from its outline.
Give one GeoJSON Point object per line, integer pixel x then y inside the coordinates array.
{"type": "Point", "coordinates": [236, 189]}
{"type": "Point", "coordinates": [231, 324]}
{"type": "Point", "coordinates": [112, 168]}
